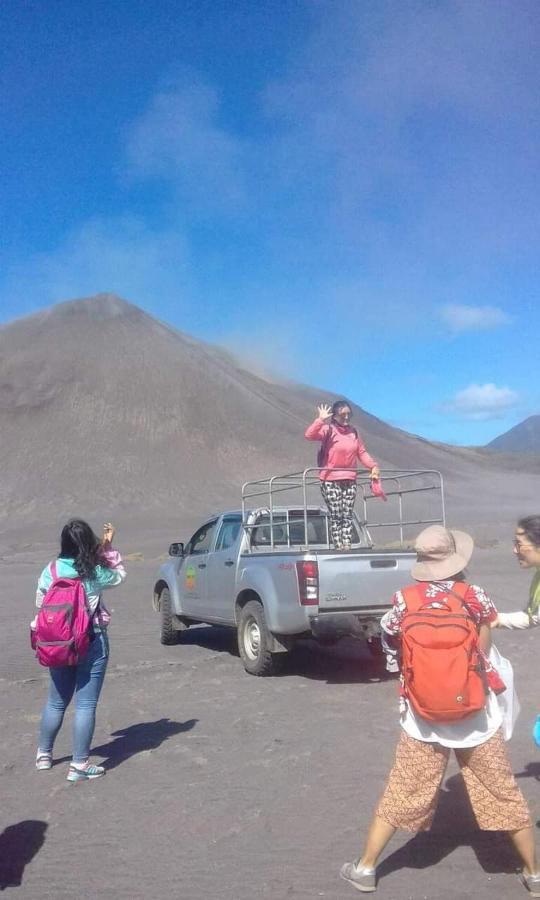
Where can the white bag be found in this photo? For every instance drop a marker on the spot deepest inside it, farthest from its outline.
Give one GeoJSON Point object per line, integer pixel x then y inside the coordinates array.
{"type": "Point", "coordinates": [508, 700]}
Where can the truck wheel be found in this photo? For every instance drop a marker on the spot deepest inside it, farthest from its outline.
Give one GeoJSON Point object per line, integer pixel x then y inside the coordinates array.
{"type": "Point", "coordinates": [253, 640]}
{"type": "Point", "coordinates": [168, 634]}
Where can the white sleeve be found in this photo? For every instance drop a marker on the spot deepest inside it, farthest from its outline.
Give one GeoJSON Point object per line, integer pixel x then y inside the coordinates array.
{"type": "Point", "coordinates": [516, 620]}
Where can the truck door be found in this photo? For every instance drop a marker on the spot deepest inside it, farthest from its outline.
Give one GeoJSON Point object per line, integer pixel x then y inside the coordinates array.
{"type": "Point", "coordinates": [221, 571]}
{"type": "Point", "coordinates": [194, 571]}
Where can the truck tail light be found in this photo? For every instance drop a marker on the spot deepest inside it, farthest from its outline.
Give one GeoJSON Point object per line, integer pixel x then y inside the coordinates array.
{"type": "Point", "coordinates": [308, 583]}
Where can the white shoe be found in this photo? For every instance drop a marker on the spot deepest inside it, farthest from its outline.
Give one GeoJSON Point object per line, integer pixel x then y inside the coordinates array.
{"type": "Point", "coordinates": [43, 761]}
{"type": "Point", "coordinates": [361, 878]}
{"type": "Point", "coordinates": [84, 773]}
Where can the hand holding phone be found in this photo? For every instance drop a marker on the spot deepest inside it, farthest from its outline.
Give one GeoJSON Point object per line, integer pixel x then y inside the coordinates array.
{"type": "Point", "coordinates": [108, 534]}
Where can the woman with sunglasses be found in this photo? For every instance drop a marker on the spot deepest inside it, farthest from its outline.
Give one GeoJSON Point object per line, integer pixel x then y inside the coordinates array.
{"type": "Point", "coordinates": [341, 450]}
{"type": "Point", "coordinates": [527, 550]}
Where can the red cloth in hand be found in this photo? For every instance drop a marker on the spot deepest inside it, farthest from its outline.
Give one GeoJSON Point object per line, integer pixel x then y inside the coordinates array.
{"type": "Point", "coordinates": [376, 489]}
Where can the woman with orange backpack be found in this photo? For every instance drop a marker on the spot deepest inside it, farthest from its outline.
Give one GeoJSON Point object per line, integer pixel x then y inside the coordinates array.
{"type": "Point", "coordinates": [448, 702]}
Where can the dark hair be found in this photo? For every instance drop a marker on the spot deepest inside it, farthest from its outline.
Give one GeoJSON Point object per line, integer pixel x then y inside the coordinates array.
{"type": "Point", "coordinates": [531, 526]}
{"type": "Point", "coordinates": [459, 576]}
{"type": "Point", "coordinates": [79, 543]}
{"type": "Point", "coordinates": [339, 404]}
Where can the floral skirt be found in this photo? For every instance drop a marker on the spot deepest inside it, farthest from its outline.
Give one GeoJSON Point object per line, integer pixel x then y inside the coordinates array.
{"type": "Point", "coordinates": [410, 798]}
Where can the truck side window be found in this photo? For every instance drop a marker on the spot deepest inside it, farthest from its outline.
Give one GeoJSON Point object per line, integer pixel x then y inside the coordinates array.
{"type": "Point", "coordinates": [228, 532]}
{"type": "Point", "coordinates": [200, 542]}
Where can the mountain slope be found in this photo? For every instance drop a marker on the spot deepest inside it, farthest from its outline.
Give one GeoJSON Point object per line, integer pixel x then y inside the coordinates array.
{"type": "Point", "coordinates": [103, 408]}
{"type": "Point", "coordinates": [522, 438]}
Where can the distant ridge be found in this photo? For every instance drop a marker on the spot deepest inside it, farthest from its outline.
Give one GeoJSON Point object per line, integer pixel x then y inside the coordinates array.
{"type": "Point", "coordinates": [522, 438]}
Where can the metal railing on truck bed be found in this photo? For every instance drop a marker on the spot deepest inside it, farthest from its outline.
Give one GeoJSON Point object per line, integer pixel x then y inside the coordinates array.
{"type": "Point", "coordinates": [414, 498]}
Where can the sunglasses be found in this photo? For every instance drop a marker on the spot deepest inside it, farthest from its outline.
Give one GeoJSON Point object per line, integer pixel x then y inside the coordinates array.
{"type": "Point", "coordinates": [518, 545]}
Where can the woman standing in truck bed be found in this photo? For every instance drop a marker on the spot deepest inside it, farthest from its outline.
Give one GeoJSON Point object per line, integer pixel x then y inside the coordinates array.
{"type": "Point", "coordinates": [341, 450]}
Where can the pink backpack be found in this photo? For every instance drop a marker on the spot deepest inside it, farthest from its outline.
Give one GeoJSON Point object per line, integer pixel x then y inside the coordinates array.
{"type": "Point", "coordinates": [62, 633]}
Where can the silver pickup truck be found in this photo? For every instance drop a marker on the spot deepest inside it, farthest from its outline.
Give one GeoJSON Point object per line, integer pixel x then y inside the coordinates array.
{"type": "Point", "coordinates": [270, 572]}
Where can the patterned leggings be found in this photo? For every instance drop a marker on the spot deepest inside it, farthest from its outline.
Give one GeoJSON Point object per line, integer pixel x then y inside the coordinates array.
{"type": "Point", "coordinates": [339, 497]}
{"type": "Point", "coordinates": [410, 798]}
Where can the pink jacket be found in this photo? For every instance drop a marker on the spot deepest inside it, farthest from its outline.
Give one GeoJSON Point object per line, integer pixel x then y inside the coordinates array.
{"type": "Point", "coordinates": [345, 448]}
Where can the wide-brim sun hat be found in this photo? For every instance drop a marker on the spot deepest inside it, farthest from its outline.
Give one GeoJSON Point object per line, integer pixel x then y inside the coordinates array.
{"type": "Point", "coordinates": [441, 553]}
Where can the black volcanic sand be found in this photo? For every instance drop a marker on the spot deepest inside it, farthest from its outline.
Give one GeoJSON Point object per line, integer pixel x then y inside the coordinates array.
{"type": "Point", "coordinates": [219, 784]}
{"type": "Point", "coordinates": [223, 785]}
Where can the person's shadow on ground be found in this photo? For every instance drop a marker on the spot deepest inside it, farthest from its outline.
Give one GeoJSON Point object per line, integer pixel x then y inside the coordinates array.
{"type": "Point", "coordinates": [531, 770]}
{"type": "Point", "coordinates": [138, 738]}
{"type": "Point", "coordinates": [454, 826]}
{"type": "Point", "coordinates": [18, 845]}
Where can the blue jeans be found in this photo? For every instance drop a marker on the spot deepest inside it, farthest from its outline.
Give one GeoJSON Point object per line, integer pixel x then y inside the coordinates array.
{"type": "Point", "coordinates": [85, 680]}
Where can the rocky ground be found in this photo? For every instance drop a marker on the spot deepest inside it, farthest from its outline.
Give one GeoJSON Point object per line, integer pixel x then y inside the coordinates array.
{"type": "Point", "coordinates": [224, 785]}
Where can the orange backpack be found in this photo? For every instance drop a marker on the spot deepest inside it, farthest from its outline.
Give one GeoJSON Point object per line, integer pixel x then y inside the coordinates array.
{"type": "Point", "coordinates": [440, 660]}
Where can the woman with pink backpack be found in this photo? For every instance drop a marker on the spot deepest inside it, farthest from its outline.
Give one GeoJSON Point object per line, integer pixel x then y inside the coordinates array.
{"type": "Point", "coordinates": [85, 558]}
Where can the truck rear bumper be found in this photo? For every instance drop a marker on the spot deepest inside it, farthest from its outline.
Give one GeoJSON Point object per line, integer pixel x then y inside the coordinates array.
{"type": "Point", "coordinates": [331, 627]}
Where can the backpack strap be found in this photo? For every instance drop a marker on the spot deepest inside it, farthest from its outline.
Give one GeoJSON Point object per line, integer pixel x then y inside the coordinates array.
{"type": "Point", "coordinates": [325, 446]}
{"type": "Point", "coordinates": [413, 597]}
{"type": "Point", "coordinates": [461, 588]}
{"type": "Point", "coordinates": [54, 573]}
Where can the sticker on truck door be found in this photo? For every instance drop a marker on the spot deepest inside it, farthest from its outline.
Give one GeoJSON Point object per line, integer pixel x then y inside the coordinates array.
{"type": "Point", "coordinates": [191, 578]}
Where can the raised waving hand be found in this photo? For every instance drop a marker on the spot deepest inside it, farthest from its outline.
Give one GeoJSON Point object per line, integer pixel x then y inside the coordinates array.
{"type": "Point", "coordinates": [108, 535]}
{"type": "Point", "coordinates": [324, 412]}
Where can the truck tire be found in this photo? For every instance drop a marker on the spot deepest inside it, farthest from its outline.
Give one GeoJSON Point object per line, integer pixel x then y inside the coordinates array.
{"type": "Point", "coordinates": [253, 640]}
{"type": "Point", "coordinates": [168, 634]}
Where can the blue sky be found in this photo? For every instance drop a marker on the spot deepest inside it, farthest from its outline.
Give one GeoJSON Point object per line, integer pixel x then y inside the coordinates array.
{"type": "Point", "coordinates": [343, 192]}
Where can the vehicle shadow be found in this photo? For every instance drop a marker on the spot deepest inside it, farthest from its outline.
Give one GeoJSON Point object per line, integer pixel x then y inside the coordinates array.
{"type": "Point", "coordinates": [347, 662]}
{"type": "Point", "coordinates": [18, 845]}
{"type": "Point", "coordinates": [138, 739]}
{"type": "Point", "coordinates": [454, 826]}
{"type": "Point", "coordinates": [212, 637]}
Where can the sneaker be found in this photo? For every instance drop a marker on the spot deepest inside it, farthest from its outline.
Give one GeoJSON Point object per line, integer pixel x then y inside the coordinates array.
{"type": "Point", "coordinates": [84, 773]}
{"type": "Point", "coordinates": [532, 883]}
{"type": "Point", "coordinates": [43, 760]}
{"type": "Point", "coordinates": [360, 877]}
